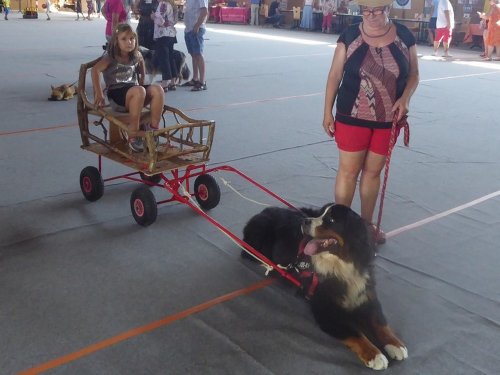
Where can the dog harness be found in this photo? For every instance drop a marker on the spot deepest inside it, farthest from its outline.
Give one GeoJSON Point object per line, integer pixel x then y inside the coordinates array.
{"type": "Point", "coordinates": [303, 270]}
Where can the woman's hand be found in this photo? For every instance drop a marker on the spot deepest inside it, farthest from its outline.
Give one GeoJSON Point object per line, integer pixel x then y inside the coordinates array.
{"type": "Point", "coordinates": [401, 108]}
{"type": "Point", "coordinates": [329, 125]}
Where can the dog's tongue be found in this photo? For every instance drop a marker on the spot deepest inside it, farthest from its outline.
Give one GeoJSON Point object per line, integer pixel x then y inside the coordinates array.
{"type": "Point", "coordinates": [312, 247]}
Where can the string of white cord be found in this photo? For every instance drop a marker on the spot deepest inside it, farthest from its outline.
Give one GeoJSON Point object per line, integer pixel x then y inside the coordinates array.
{"type": "Point", "coordinates": [228, 184]}
{"type": "Point", "coordinates": [264, 264]}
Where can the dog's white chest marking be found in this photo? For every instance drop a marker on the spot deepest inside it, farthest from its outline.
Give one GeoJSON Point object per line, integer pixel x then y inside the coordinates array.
{"type": "Point", "coordinates": [327, 265]}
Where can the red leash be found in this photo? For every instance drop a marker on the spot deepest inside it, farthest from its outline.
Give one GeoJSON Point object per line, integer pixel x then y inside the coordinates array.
{"type": "Point", "coordinates": [403, 123]}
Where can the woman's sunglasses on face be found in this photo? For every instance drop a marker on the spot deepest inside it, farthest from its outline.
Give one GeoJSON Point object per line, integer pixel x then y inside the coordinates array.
{"type": "Point", "coordinates": [375, 11]}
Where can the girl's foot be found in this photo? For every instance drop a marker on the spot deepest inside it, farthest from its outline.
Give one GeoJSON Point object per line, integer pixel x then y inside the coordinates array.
{"type": "Point", "coordinates": [136, 144]}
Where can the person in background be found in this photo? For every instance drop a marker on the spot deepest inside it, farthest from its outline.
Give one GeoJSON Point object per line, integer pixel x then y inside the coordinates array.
{"type": "Point", "coordinates": [432, 22]}
{"type": "Point", "coordinates": [78, 9]}
{"type": "Point", "coordinates": [98, 8]}
{"type": "Point", "coordinates": [128, 9]}
{"type": "Point", "coordinates": [90, 8]}
{"type": "Point", "coordinates": [146, 26]}
{"type": "Point", "coordinates": [115, 14]}
{"type": "Point", "coordinates": [328, 11]}
{"type": "Point", "coordinates": [195, 15]}
{"type": "Point", "coordinates": [445, 23]}
{"type": "Point", "coordinates": [47, 9]}
{"type": "Point", "coordinates": [254, 12]}
{"type": "Point", "coordinates": [122, 68]}
{"type": "Point", "coordinates": [373, 75]}
{"type": "Point", "coordinates": [492, 40]}
{"type": "Point", "coordinates": [342, 8]}
{"type": "Point", "coordinates": [483, 23]}
{"type": "Point", "coordinates": [274, 14]}
{"type": "Point", "coordinates": [306, 22]}
{"type": "Point", "coordinates": [6, 5]}
{"type": "Point", "coordinates": [165, 19]}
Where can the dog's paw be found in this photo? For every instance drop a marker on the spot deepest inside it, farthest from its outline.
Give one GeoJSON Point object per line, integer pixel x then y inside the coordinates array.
{"type": "Point", "coordinates": [396, 352]}
{"type": "Point", "coordinates": [379, 362]}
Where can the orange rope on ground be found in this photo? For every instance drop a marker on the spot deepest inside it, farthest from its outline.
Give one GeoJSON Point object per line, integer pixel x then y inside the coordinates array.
{"type": "Point", "coordinates": [145, 329]}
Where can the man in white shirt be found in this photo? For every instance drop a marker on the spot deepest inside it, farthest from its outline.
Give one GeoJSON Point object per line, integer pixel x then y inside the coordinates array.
{"type": "Point", "coordinates": [445, 23]}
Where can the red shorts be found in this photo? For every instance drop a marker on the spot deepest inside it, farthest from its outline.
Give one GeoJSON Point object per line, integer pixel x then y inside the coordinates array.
{"type": "Point", "coordinates": [357, 138]}
{"type": "Point", "coordinates": [443, 34]}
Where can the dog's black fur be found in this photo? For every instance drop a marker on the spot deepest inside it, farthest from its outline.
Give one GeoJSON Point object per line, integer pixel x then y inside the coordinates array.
{"type": "Point", "coordinates": [342, 250]}
{"type": "Point", "coordinates": [152, 69]}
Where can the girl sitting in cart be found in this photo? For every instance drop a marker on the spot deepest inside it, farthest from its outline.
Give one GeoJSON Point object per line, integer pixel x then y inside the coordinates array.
{"type": "Point", "coordinates": [122, 67]}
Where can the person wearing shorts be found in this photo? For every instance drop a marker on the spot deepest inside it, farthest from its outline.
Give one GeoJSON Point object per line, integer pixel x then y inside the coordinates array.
{"type": "Point", "coordinates": [432, 22]}
{"type": "Point", "coordinates": [445, 23]}
{"type": "Point", "coordinates": [195, 14]}
{"type": "Point", "coordinates": [373, 75]}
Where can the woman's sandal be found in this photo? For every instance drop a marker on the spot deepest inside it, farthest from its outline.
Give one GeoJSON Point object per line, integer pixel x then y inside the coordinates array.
{"type": "Point", "coordinates": [199, 86]}
{"type": "Point", "coordinates": [172, 87]}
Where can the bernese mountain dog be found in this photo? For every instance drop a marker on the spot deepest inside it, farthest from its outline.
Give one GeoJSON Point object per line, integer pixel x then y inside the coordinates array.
{"type": "Point", "coordinates": [341, 252]}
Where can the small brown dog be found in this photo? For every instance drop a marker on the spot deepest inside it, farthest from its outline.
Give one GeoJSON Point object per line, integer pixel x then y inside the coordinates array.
{"type": "Point", "coordinates": [63, 92]}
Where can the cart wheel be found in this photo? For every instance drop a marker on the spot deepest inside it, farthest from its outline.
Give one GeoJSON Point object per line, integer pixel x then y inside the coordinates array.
{"type": "Point", "coordinates": [143, 206]}
{"type": "Point", "coordinates": [91, 183]}
{"type": "Point", "coordinates": [207, 191]}
{"type": "Point", "coordinates": [155, 179]}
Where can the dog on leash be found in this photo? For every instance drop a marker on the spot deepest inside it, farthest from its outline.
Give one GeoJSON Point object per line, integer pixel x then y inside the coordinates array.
{"type": "Point", "coordinates": [337, 246]}
{"type": "Point", "coordinates": [152, 69]}
{"type": "Point", "coordinates": [63, 92]}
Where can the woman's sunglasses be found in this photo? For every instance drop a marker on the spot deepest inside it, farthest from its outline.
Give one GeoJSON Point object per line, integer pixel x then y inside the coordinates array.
{"type": "Point", "coordinates": [376, 11]}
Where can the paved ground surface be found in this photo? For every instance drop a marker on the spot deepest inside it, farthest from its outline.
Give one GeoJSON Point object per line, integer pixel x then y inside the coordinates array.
{"type": "Point", "coordinates": [84, 290]}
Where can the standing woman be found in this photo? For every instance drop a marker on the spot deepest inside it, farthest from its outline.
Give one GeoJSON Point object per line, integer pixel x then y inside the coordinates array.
{"type": "Point", "coordinates": [165, 37]}
{"type": "Point", "coordinates": [493, 36]}
{"type": "Point", "coordinates": [307, 15]}
{"type": "Point", "coordinates": [146, 26]}
{"type": "Point", "coordinates": [374, 73]}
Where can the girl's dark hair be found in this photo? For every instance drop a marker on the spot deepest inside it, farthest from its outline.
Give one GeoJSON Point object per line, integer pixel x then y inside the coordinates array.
{"type": "Point", "coordinates": [113, 47]}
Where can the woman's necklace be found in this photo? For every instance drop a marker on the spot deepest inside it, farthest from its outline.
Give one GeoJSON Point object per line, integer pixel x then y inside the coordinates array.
{"type": "Point", "coordinates": [375, 36]}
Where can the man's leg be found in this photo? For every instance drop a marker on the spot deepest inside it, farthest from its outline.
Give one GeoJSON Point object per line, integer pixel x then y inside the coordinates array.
{"type": "Point", "coordinates": [200, 63]}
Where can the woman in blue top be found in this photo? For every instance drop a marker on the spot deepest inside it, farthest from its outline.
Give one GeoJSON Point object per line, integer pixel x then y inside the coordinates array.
{"type": "Point", "coordinates": [372, 77]}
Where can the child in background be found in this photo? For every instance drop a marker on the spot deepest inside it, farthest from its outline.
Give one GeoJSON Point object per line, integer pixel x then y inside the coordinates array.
{"type": "Point", "coordinates": [122, 67]}
{"type": "Point", "coordinates": [6, 5]}
{"type": "Point", "coordinates": [78, 8]}
{"type": "Point", "coordinates": [90, 8]}
{"type": "Point", "coordinates": [47, 9]}
{"type": "Point", "coordinates": [328, 11]}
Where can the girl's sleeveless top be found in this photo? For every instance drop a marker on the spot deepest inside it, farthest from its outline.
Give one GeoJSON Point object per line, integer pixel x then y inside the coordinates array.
{"type": "Point", "coordinates": [118, 75]}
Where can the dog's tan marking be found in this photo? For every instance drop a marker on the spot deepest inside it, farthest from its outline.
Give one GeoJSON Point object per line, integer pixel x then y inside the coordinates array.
{"type": "Point", "coordinates": [367, 352]}
{"type": "Point", "coordinates": [327, 264]}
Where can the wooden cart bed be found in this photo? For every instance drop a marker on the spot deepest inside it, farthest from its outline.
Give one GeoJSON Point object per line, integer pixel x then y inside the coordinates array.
{"type": "Point", "coordinates": [103, 131]}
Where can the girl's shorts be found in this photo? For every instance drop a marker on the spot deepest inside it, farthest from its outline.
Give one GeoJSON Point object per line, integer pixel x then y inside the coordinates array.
{"type": "Point", "coordinates": [119, 95]}
{"type": "Point", "coordinates": [358, 138]}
